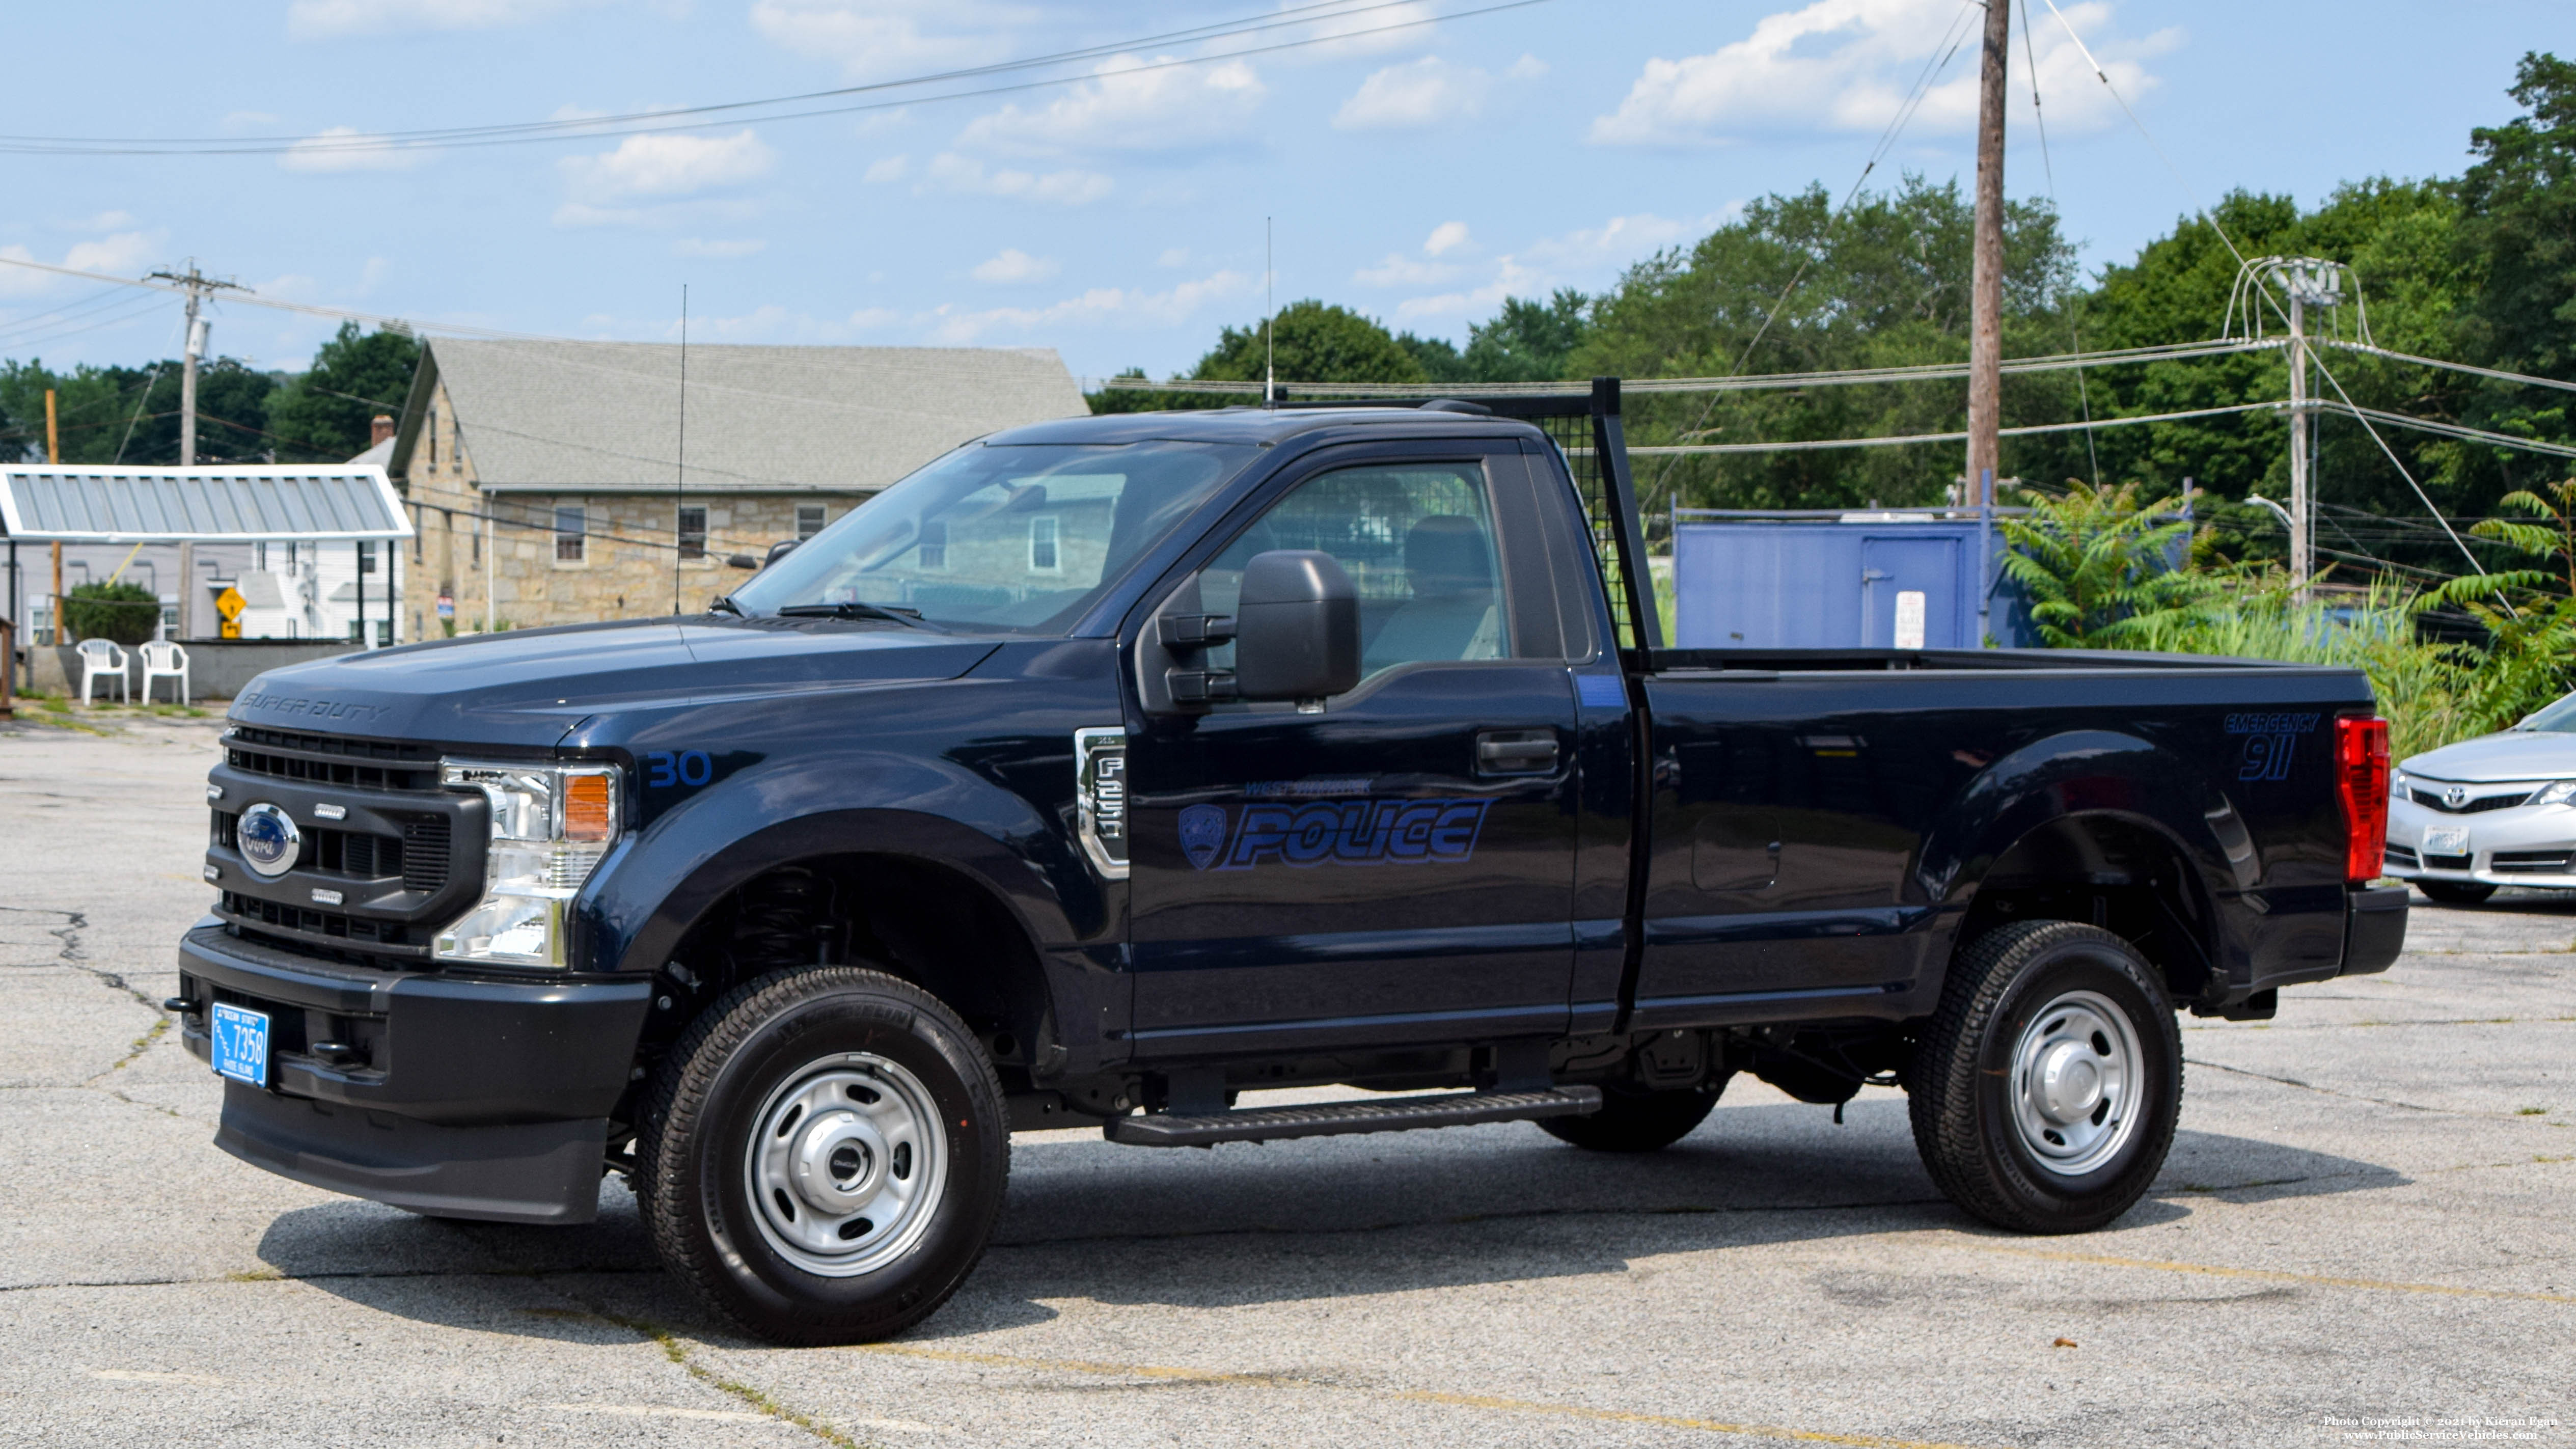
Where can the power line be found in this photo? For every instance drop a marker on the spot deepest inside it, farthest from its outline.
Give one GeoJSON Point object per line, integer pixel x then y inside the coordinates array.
{"type": "Point", "coordinates": [2524, 378]}
{"type": "Point", "coordinates": [524, 133]}
{"type": "Point", "coordinates": [1811, 444]}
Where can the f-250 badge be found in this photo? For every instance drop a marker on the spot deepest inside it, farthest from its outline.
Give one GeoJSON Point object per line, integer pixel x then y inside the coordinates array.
{"type": "Point", "coordinates": [1332, 832]}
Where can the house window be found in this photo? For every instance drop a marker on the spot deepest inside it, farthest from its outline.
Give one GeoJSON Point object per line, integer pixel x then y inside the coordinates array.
{"type": "Point", "coordinates": [809, 519]}
{"type": "Point", "coordinates": [693, 533]}
{"type": "Point", "coordinates": [431, 432]}
{"type": "Point", "coordinates": [1043, 555]}
{"type": "Point", "coordinates": [931, 556]}
{"type": "Point", "coordinates": [570, 527]}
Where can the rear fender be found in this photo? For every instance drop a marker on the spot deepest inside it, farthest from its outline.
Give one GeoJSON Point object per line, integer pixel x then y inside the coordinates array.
{"type": "Point", "coordinates": [2090, 774]}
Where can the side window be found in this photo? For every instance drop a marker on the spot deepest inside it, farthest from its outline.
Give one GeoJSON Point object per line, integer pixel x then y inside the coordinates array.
{"type": "Point", "coordinates": [1418, 540]}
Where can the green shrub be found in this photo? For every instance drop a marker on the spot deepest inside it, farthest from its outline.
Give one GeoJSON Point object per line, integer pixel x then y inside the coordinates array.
{"type": "Point", "coordinates": [126, 613]}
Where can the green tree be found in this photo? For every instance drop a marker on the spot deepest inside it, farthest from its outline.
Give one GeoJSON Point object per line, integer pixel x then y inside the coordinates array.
{"type": "Point", "coordinates": [2518, 229]}
{"type": "Point", "coordinates": [1529, 341]}
{"type": "Point", "coordinates": [2098, 565]}
{"type": "Point", "coordinates": [126, 613]}
{"type": "Point", "coordinates": [326, 412]}
{"type": "Point", "coordinates": [131, 414]}
{"type": "Point", "coordinates": [1884, 283]}
{"type": "Point", "coordinates": [1315, 343]}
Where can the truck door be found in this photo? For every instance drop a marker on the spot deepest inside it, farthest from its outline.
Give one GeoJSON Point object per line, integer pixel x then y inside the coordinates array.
{"type": "Point", "coordinates": [1397, 866]}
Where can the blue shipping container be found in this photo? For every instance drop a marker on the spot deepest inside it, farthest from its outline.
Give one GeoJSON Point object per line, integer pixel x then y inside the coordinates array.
{"type": "Point", "coordinates": [1865, 580]}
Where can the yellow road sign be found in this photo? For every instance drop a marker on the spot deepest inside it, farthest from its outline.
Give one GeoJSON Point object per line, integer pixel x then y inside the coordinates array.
{"type": "Point", "coordinates": [229, 604]}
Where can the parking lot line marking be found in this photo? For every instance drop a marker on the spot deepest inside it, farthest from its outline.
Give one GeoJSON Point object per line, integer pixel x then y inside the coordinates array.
{"type": "Point", "coordinates": [665, 1411]}
{"type": "Point", "coordinates": [2272, 1275]}
{"type": "Point", "coordinates": [1220, 1378]}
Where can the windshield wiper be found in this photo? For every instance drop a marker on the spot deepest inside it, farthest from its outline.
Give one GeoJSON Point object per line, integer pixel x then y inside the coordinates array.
{"type": "Point", "coordinates": [910, 618]}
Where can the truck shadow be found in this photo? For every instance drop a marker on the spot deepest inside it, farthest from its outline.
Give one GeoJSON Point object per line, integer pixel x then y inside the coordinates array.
{"type": "Point", "coordinates": [1244, 1225]}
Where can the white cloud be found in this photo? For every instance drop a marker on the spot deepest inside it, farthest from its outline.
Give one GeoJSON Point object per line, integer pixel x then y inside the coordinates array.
{"type": "Point", "coordinates": [1173, 257]}
{"type": "Point", "coordinates": [104, 221]}
{"type": "Point", "coordinates": [871, 39]}
{"type": "Point", "coordinates": [316, 19]}
{"type": "Point", "coordinates": [1122, 108]}
{"type": "Point", "coordinates": [346, 148]}
{"type": "Point", "coordinates": [125, 254]}
{"type": "Point", "coordinates": [660, 167]}
{"type": "Point", "coordinates": [1588, 257]}
{"type": "Point", "coordinates": [1373, 30]}
{"type": "Point", "coordinates": [1399, 270]}
{"type": "Point", "coordinates": [892, 168]}
{"type": "Point", "coordinates": [1014, 267]}
{"type": "Point", "coordinates": [1848, 65]}
{"type": "Point", "coordinates": [1447, 237]}
{"type": "Point", "coordinates": [718, 249]}
{"type": "Point", "coordinates": [949, 171]}
{"type": "Point", "coordinates": [1100, 306]}
{"type": "Point", "coordinates": [1528, 67]}
{"type": "Point", "coordinates": [870, 319]}
{"type": "Point", "coordinates": [1414, 95]}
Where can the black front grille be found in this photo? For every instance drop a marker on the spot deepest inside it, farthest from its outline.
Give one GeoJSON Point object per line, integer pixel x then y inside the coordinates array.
{"type": "Point", "coordinates": [348, 852]}
{"type": "Point", "coordinates": [2401, 856]}
{"type": "Point", "coordinates": [318, 923]}
{"type": "Point", "coordinates": [2432, 799]}
{"type": "Point", "coordinates": [425, 845]}
{"type": "Point", "coordinates": [2529, 862]}
{"type": "Point", "coordinates": [2446, 862]}
{"type": "Point", "coordinates": [331, 760]}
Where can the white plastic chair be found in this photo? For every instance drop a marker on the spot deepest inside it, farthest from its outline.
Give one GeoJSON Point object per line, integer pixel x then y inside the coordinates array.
{"type": "Point", "coordinates": [164, 660]}
{"type": "Point", "coordinates": [102, 656]}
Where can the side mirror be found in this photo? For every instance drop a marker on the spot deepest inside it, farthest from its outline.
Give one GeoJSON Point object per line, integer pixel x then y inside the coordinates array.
{"type": "Point", "coordinates": [1296, 627]}
{"type": "Point", "coordinates": [741, 561]}
{"type": "Point", "coordinates": [779, 550]}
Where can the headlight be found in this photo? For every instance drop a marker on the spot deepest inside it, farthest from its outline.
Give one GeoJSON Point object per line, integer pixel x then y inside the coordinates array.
{"type": "Point", "coordinates": [2558, 794]}
{"type": "Point", "coordinates": [2397, 784]}
{"type": "Point", "coordinates": [550, 826]}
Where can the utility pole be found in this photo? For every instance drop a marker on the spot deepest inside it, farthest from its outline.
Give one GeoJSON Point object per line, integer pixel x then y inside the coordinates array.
{"type": "Point", "coordinates": [1986, 279]}
{"type": "Point", "coordinates": [2306, 282]}
{"type": "Point", "coordinates": [54, 458]}
{"type": "Point", "coordinates": [198, 286]}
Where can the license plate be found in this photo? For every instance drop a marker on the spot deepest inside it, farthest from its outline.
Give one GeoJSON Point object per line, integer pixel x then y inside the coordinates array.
{"type": "Point", "coordinates": [241, 1043]}
{"type": "Point", "coordinates": [2447, 840]}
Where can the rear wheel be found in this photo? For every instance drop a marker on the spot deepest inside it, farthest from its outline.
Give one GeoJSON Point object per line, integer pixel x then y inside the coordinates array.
{"type": "Point", "coordinates": [2045, 1091]}
{"type": "Point", "coordinates": [823, 1156]}
{"type": "Point", "coordinates": [1636, 1121]}
{"type": "Point", "coordinates": [2454, 893]}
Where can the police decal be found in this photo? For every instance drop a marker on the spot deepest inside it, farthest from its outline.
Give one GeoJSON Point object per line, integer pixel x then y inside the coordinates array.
{"type": "Point", "coordinates": [1332, 832]}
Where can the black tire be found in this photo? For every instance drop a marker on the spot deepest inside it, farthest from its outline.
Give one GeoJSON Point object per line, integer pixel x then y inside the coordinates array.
{"type": "Point", "coordinates": [1635, 1121]}
{"type": "Point", "coordinates": [2025, 1005]}
{"type": "Point", "coordinates": [2454, 893]}
{"type": "Point", "coordinates": [820, 1033]}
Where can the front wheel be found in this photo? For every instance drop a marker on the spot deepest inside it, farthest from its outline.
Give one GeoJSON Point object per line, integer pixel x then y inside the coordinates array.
{"type": "Point", "coordinates": [2045, 1091]}
{"type": "Point", "coordinates": [2454, 893]}
{"type": "Point", "coordinates": [823, 1156]}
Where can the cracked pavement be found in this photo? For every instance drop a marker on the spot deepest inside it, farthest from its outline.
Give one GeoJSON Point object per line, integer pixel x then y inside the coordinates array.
{"type": "Point", "coordinates": [2367, 1213]}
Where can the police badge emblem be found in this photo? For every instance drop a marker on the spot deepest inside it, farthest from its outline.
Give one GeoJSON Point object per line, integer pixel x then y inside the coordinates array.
{"type": "Point", "coordinates": [1203, 834]}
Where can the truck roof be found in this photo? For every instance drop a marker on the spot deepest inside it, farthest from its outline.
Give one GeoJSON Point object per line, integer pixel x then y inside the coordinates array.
{"type": "Point", "coordinates": [1259, 425]}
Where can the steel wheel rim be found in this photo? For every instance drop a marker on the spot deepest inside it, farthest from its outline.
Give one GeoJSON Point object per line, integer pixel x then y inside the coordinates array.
{"type": "Point", "coordinates": [2078, 1083]}
{"type": "Point", "coordinates": [846, 1165]}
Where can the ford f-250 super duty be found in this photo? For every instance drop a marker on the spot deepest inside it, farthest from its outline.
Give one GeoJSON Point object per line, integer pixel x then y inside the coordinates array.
{"type": "Point", "coordinates": [1104, 769]}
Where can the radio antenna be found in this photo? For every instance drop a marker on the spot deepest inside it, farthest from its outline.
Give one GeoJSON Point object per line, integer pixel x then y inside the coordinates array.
{"type": "Point", "coordinates": [680, 478]}
{"type": "Point", "coordinates": [1269, 323]}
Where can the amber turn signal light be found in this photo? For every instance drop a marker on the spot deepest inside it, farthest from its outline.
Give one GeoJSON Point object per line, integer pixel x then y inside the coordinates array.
{"type": "Point", "coordinates": [586, 811]}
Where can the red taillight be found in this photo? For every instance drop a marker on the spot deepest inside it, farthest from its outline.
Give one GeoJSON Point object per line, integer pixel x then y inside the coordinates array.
{"type": "Point", "coordinates": [2361, 781]}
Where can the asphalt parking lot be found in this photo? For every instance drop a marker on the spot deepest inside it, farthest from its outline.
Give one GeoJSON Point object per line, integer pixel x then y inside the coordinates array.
{"type": "Point", "coordinates": [2365, 1234]}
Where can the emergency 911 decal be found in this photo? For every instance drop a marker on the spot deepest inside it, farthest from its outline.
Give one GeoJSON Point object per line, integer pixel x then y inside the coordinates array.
{"type": "Point", "coordinates": [1332, 832]}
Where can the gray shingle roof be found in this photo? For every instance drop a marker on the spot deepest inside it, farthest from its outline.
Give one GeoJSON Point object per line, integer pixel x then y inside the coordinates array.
{"type": "Point", "coordinates": [580, 416]}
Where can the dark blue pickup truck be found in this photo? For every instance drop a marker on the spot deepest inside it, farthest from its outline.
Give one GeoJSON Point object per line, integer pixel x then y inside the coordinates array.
{"type": "Point", "coordinates": [1105, 769]}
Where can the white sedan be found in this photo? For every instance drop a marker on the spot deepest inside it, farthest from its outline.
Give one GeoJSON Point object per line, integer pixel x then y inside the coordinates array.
{"type": "Point", "coordinates": [2497, 810]}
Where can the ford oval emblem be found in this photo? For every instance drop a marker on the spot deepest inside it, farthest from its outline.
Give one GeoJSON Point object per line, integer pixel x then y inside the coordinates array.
{"type": "Point", "coordinates": [269, 840]}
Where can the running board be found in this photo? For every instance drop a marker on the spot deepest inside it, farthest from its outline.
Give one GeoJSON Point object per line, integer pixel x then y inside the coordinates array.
{"type": "Point", "coordinates": [1333, 1119]}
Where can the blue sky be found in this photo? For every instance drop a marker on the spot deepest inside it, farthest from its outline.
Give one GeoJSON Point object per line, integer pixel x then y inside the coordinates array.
{"type": "Point", "coordinates": [1417, 174]}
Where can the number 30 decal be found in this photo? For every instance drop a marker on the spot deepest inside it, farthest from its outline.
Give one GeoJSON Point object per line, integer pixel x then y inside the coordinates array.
{"type": "Point", "coordinates": [687, 767]}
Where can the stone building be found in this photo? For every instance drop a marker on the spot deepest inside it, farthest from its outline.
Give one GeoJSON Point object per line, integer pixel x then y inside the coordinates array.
{"type": "Point", "coordinates": [552, 482]}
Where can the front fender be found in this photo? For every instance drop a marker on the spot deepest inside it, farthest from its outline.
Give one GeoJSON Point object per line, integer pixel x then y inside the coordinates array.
{"type": "Point", "coordinates": [662, 881]}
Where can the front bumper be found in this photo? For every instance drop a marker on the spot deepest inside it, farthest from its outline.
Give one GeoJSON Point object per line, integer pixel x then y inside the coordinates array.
{"type": "Point", "coordinates": [2526, 845]}
{"type": "Point", "coordinates": [457, 1096]}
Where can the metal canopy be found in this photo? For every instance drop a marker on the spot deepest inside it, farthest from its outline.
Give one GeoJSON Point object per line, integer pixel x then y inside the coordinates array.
{"type": "Point", "coordinates": [246, 503]}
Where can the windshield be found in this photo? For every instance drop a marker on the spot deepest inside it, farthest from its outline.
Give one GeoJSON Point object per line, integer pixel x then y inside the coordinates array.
{"type": "Point", "coordinates": [1018, 538]}
{"type": "Point", "coordinates": [2557, 719]}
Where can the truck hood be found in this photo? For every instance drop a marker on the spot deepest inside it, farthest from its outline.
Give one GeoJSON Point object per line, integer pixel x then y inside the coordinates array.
{"type": "Point", "coordinates": [527, 688]}
{"type": "Point", "coordinates": [2512, 755]}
